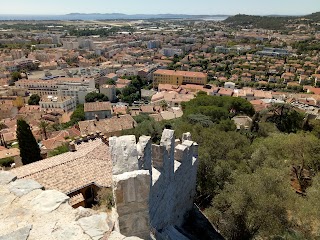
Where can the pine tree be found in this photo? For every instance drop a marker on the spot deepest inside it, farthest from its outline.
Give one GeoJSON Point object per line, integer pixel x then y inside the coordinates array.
{"type": "Point", "coordinates": [29, 148]}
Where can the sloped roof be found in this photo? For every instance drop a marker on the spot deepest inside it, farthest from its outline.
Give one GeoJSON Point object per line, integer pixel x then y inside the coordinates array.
{"type": "Point", "coordinates": [68, 172]}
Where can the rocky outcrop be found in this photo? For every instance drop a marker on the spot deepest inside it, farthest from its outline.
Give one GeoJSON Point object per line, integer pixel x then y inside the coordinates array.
{"type": "Point", "coordinates": [28, 212]}
{"type": "Point", "coordinates": [23, 186]}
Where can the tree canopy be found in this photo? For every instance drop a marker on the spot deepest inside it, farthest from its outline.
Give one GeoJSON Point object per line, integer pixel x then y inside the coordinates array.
{"type": "Point", "coordinates": [29, 148]}
{"type": "Point", "coordinates": [96, 97]}
{"type": "Point", "coordinates": [34, 99]}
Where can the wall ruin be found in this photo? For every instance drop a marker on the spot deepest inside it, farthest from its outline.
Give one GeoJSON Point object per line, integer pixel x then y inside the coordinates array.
{"type": "Point", "coordinates": [154, 185]}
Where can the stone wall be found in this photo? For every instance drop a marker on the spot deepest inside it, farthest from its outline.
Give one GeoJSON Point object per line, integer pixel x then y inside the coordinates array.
{"type": "Point", "coordinates": [170, 169]}
{"type": "Point", "coordinates": [174, 184]}
{"type": "Point", "coordinates": [131, 191]}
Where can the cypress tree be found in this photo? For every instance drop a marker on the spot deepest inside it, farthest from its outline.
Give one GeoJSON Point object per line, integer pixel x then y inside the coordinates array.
{"type": "Point", "coordinates": [29, 148]}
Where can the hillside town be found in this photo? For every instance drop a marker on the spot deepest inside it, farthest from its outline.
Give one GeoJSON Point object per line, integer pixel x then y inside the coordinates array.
{"type": "Point", "coordinates": [85, 88]}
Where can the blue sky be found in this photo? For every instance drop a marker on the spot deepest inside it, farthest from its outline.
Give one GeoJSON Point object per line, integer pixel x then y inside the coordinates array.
{"type": "Point", "coordinates": [261, 7]}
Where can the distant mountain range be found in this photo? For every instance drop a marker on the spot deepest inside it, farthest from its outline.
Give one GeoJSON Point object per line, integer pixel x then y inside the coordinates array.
{"type": "Point", "coordinates": [109, 16]}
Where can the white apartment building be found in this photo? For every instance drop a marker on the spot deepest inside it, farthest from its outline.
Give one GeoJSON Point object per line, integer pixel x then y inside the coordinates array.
{"type": "Point", "coordinates": [58, 103]}
{"type": "Point", "coordinates": [63, 87]}
{"type": "Point", "coordinates": [170, 52]}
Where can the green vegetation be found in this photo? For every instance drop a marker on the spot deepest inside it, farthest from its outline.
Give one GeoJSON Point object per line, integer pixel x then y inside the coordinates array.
{"type": "Point", "coordinates": [77, 116]}
{"type": "Point", "coordinates": [34, 99]}
{"type": "Point", "coordinates": [103, 32]}
{"type": "Point", "coordinates": [15, 76]}
{"type": "Point", "coordinates": [257, 183]}
{"type": "Point", "coordinates": [306, 46]}
{"type": "Point", "coordinates": [132, 92]}
{"type": "Point", "coordinates": [146, 126]}
{"type": "Point", "coordinates": [96, 97]}
{"type": "Point", "coordinates": [6, 162]}
{"type": "Point", "coordinates": [270, 22]}
{"type": "Point", "coordinates": [105, 200]}
{"type": "Point", "coordinates": [266, 22]}
{"type": "Point", "coordinates": [59, 150]}
{"type": "Point", "coordinates": [29, 148]}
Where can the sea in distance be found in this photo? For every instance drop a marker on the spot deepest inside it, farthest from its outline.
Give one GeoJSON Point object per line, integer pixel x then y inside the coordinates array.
{"type": "Point", "coordinates": [111, 16]}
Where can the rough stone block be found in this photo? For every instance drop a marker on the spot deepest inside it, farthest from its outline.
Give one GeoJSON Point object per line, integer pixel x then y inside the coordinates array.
{"type": "Point", "coordinates": [22, 187]}
{"type": "Point", "coordinates": [6, 177]}
{"type": "Point", "coordinates": [95, 226]}
{"type": "Point", "coordinates": [181, 152]}
{"type": "Point", "coordinates": [20, 234]}
{"type": "Point", "coordinates": [144, 153]}
{"type": "Point", "coordinates": [124, 154]}
{"type": "Point", "coordinates": [48, 201]}
{"type": "Point", "coordinates": [158, 155]}
{"type": "Point", "coordinates": [186, 136]}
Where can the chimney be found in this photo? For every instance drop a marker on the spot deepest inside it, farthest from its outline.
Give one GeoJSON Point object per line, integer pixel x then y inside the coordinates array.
{"type": "Point", "coordinates": [72, 147]}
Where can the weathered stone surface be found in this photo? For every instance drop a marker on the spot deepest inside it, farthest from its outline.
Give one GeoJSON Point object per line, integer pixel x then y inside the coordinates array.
{"type": "Point", "coordinates": [132, 238]}
{"type": "Point", "coordinates": [6, 177]}
{"type": "Point", "coordinates": [20, 234]}
{"type": "Point", "coordinates": [116, 236]}
{"type": "Point", "coordinates": [69, 231]}
{"type": "Point", "coordinates": [144, 153]}
{"type": "Point", "coordinates": [22, 187]}
{"type": "Point", "coordinates": [133, 189]}
{"type": "Point", "coordinates": [49, 200]}
{"type": "Point", "coordinates": [84, 212]}
{"type": "Point", "coordinates": [95, 226]}
{"type": "Point", "coordinates": [186, 136]}
{"type": "Point", "coordinates": [167, 138]}
{"type": "Point", "coordinates": [124, 154]}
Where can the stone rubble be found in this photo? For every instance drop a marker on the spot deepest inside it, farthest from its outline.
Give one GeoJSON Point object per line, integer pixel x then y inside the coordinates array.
{"type": "Point", "coordinates": [29, 213]}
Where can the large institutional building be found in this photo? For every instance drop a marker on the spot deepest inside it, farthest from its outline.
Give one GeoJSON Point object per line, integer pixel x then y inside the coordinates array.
{"type": "Point", "coordinates": [178, 77]}
{"type": "Point", "coordinates": [63, 87]}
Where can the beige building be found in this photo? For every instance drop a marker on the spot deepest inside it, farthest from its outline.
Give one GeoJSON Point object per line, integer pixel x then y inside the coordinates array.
{"type": "Point", "coordinates": [50, 102]}
{"type": "Point", "coordinates": [63, 87]}
{"type": "Point", "coordinates": [109, 91]}
{"type": "Point", "coordinates": [97, 110]}
{"type": "Point", "coordinates": [178, 77]}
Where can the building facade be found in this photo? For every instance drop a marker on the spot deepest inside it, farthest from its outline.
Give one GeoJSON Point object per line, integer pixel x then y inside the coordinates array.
{"type": "Point", "coordinates": [178, 77]}
{"type": "Point", "coordinates": [97, 110]}
{"type": "Point", "coordinates": [58, 103]}
{"type": "Point", "coordinates": [63, 87]}
{"type": "Point", "coordinates": [109, 91]}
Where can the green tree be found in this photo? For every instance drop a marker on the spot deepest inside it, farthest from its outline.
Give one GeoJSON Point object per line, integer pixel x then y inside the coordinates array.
{"type": "Point", "coordinates": [34, 99]}
{"type": "Point", "coordinates": [285, 117]}
{"type": "Point", "coordinates": [44, 126]}
{"type": "Point", "coordinates": [78, 114]}
{"type": "Point", "coordinates": [15, 76]}
{"type": "Point", "coordinates": [254, 205]}
{"type": "Point", "coordinates": [96, 97]}
{"type": "Point", "coordinates": [29, 148]}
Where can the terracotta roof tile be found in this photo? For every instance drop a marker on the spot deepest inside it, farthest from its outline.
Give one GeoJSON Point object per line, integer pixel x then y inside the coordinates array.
{"type": "Point", "coordinates": [71, 171]}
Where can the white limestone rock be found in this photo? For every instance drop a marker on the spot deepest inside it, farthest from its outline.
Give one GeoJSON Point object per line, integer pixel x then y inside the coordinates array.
{"type": "Point", "coordinates": [144, 153]}
{"type": "Point", "coordinates": [116, 236]}
{"type": "Point", "coordinates": [167, 138]}
{"type": "Point", "coordinates": [95, 226]}
{"type": "Point", "coordinates": [84, 212]}
{"type": "Point", "coordinates": [22, 187]}
{"type": "Point", "coordinates": [49, 200]}
{"type": "Point", "coordinates": [6, 177]}
{"type": "Point", "coordinates": [20, 234]}
{"type": "Point", "coordinates": [124, 154]}
{"type": "Point", "coordinates": [186, 136]}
